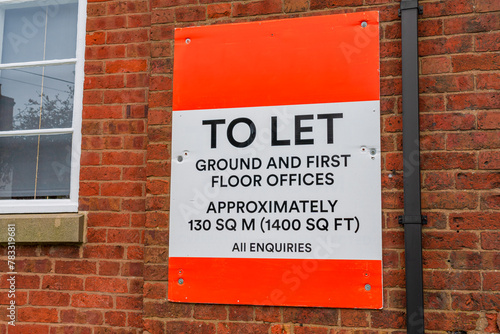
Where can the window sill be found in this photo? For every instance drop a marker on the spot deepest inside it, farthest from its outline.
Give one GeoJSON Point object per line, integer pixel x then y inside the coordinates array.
{"type": "Point", "coordinates": [44, 228]}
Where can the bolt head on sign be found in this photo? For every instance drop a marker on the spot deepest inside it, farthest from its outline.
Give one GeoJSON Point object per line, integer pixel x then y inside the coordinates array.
{"type": "Point", "coordinates": [275, 184]}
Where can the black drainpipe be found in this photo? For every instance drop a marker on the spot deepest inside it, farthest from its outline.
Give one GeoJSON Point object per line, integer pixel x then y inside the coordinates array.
{"type": "Point", "coordinates": [412, 218]}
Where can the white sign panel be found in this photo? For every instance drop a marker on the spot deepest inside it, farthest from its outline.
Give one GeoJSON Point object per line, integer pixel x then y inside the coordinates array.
{"type": "Point", "coordinates": [282, 182]}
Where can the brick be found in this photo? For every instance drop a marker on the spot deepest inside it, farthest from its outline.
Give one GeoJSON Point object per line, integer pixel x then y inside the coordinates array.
{"type": "Point", "coordinates": [443, 45]}
{"type": "Point", "coordinates": [134, 319]}
{"type": "Point", "coordinates": [104, 52]}
{"type": "Point", "coordinates": [390, 67]}
{"type": "Point", "coordinates": [240, 313]}
{"type": "Point", "coordinates": [326, 317]}
{"type": "Point", "coordinates": [91, 300]}
{"type": "Point", "coordinates": [124, 127]}
{"type": "Point", "coordinates": [124, 96]}
{"type": "Point", "coordinates": [390, 49]}
{"type": "Point", "coordinates": [241, 328]}
{"type": "Point", "coordinates": [190, 14]}
{"type": "Point", "coordinates": [446, 8]}
{"type": "Point", "coordinates": [475, 220]}
{"type": "Point", "coordinates": [390, 86]}
{"type": "Point", "coordinates": [49, 298]}
{"type": "Point", "coordinates": [450, 240]}
{"type": "Point", "coordinates": [478, 180]}
{"type": "Point", "coordinates": [190, 327]}
{"type": "Point", "coordinates": [155, 272]}
{"type": "Point", "coordinates": [447, 160]}
{"type": "Point", "coordinates": [446, 83]}
{"type": "Point", "coordinates": [160, 99]}
{"type": "Point", "coordinates": [106, 23]}
{"type": "Point", "coordinates": [127, 7]}
{"type": "Point", "coordinates": [127, 36]}
{"type": "Point", "coordinates": [256, 8]}
{"type": "Point", "coordinates": [154, 326]}
{"type": "Point", "coordinates": [96, 38]}
{"type": "Point", "coordinates": [28, 328]}
{"type": "Point", "coordinates": [94, 67]}
{"type": "Point", "coordinates": [354, 318]}
{"type": "Point", "coordinates": [447, 121]}
{"type": "Point", "coordinates": [293, 6]}
{"type": "Point", "coordinates": [487, 41]}
{"type": "Point", "coordinates": [123, 157]}
{"type": "Point", "coordinates": [392, 200]}
{"type": "Point", "coordinates": [33, 265]}
{"type": "Point", "coordinates": [78, 267]}
{"type": "Point", "coordinates": [431, 103]}
{"type": "Point", "coordinates": [428, 28]}
{"type": "Point", "coordinates": [22, 281]}
{"type": "Point", "coordinates": [487, 6]}
{"type": "Point", "coordinates": [469, 62]}
{"type": "Point", "coordinates": [465, 260]}
{"type": "Point", "coordinates": [472, 24]}
{"type": "Point", "coordinates": [123, 236]}
{"type": "Point", "coordinates": [161, 33]}
{"type": "Point", "coordinates": [139, 20]}
{"type": "Point", "coordinates": [129, 303]}
{"type": "Point", "coordinates": [133, 269]}
{"type": "Point", "coordinates": [435, 259]}
{"type": "Point", "coordinates": [490, 201]}
{"type": "Point", "coordinates": [489, 160]}
{"type": "Point", "coordinates": [490, 240]}
{"type": "Point", "coordinates": [466, 301]}
{"type": "Point", "coordinates": [159, 291]}
{"type": "Point", "coordinates": [162, 16]}
{"type": "Point", "coordinates": [103, 252]}
{"type": "Point", "coordinates": [102, 112]}
{"type": "Point", "coordinates": [450, 321]}
{"type": "Point", "coordinates": [114, 318]}
{"type": "Point", "coordinates": [34, 314]}
{"type": "Point", "coordinates": [267, 314]}
{"type": "Point", "coordinates": [91, 97]}
{"type": "Point", "coordinates": [126, 66]}
{"type": "Point", "coordinates": [215, 11]}
{"type": "Point", "coordinates": [438, 180]}
{"type": "Point", "coordinates": [210, 312]}
{"type": "Point", "coordinates": [435, 65]}
{"type": "Point", "coordinates": [449, 200]}
{"type": "Point", "coordinates": [388, 319]}
{"type": "Point", "coordinates": [56, 282]}
{"type": "Point", "coordinates": [431, 142]}
{"type": "Point", "coordinates": [490, 261]}
{"type": "Point", "coordinates": [99, 173]}
{"type": "Point", "coordinates": [488, 120]}
{"type": "Point", "coordinates": [491, 281]}
{"type": "Point", "coordinates": [109, 268]}
{"type": "Point", "coordinates": [105, 284]}
{"type": "Point", "coordinates": [171, 3]}
{"type": "Point", "coordinates": [473, 140]}
{"type": "Point", "coordinates": [452, 280]}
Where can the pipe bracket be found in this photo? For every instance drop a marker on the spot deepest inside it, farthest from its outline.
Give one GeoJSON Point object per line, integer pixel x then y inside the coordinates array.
{"type": "Point", "coordinates": [412, 220]}
{"type": "Point", "coordinates": [410, 4]}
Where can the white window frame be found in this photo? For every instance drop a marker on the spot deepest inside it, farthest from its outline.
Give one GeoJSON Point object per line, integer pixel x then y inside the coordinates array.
{"type": "Point", "coordinates": [55, 205]}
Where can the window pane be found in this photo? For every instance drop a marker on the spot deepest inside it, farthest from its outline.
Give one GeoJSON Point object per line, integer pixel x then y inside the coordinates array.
{"type": "Point", "coordinates": [36, 97]}
{"type": "Point", "coordinates": [38, 31]}
{"type": "Point", "coordinates": [35, 167]}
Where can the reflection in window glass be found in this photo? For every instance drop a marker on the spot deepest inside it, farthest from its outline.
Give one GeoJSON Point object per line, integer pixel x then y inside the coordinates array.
{"type": "Point", "coordinates": [35, 167]}
{"type": "Point", "coordinates": [36, 97]}
{"type": "Point", "coordinates": [35, 33]}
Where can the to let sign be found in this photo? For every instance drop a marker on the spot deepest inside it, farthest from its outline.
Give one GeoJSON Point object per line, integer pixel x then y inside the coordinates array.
{"type": "Point", "coordinates": [275, 187]}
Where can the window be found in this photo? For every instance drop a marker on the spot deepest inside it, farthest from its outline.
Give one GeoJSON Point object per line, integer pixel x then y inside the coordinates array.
{"type": "Point", "coordinates": [41, 86]}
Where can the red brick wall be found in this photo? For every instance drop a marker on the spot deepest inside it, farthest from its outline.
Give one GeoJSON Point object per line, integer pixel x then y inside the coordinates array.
{"type": "Point", "coordinates": [116, 281]}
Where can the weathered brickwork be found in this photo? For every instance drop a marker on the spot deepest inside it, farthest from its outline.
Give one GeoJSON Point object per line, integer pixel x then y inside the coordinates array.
{"type": "Point", "coordinates": [116, 282]}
